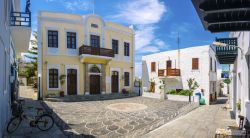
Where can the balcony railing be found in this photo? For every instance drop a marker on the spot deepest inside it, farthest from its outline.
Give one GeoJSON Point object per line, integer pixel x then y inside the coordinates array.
{"type": "Point", "coordinates": [20, 19]}
{"type": "Point", "coordinates": [227, 54]}
{"type": "Point", "coordinates": [96, 51]}
{"type": "Point", "coordinates": [169, 72]}
{"type": "Point", "coordinates": [173, 72]}
{"type": "Point", "coordinates": [161, 72]}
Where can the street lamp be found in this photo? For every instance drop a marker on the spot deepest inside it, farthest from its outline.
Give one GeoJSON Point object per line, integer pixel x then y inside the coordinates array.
{"type": "Point", "coordinates": [219, 44]}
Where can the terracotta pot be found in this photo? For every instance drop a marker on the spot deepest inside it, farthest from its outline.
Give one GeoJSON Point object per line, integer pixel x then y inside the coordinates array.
{"type": "Point", "coordinates": [61, 93]}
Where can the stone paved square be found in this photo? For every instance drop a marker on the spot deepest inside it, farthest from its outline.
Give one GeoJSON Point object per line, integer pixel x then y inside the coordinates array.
{"type": "Point", "coordinates": [128, 117]}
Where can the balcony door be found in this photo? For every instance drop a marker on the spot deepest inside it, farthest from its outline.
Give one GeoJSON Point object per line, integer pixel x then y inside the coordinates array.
{"type": "Point", "coordinates": [71, 81]}
{"type": "Point", "coordinates": [115, 82]}
{"type": "Point", "coordinates": [95, 41]}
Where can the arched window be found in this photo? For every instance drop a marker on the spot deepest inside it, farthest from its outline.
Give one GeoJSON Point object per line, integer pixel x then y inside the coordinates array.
{"type": "Point", "coordinates": [94, 69]}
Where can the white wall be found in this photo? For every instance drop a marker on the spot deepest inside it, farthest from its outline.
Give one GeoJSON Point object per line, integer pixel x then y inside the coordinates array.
{"type": "Point", "coordinates": [239, 88]}
{"type": "Point", "coordinates": [5, 54]}
{"type": "Point", "coordinates": [203, 75]}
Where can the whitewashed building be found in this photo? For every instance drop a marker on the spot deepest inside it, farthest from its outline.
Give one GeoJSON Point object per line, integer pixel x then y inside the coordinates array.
{"type": "Point", "coordinates": [239, 88]}
{"type": "Point", "coordinates": [193, 62]}
{"type": "Point", "coordinates": [15, 34]}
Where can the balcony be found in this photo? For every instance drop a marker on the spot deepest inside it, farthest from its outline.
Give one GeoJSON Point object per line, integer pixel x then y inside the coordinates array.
{"type": "Point", "coordinates": [20, 28]}
{"type": "Point", "coordinates": [95, 55]}
{"type": "Point", "coordinates": [169, 72]}
{"type": "Point", "coordinates": [227, 55]}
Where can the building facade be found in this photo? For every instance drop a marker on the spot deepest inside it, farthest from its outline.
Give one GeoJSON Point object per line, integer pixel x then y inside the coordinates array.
{"type": "Point", "coordinates": [194, 62]}
{"type": "Point", "coordinates": [239, 87]}
{"type": "Point", "coordinates": [96, 56]}
{"type": "Point", "coordinates": [14, 39]}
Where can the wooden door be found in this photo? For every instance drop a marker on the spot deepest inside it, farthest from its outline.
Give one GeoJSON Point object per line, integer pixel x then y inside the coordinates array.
{"type": "Point", "coordinates": [115, 82]}
{"type": "Point", "coordinates": [95, 84]}
{"type": "Point", "coordinates": [72, 81]}
{"type": "Point", "coordinates": [169, 64]}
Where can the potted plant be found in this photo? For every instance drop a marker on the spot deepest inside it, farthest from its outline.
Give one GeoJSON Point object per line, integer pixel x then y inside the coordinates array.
{"type": "Point", "coordinates": [152, 85]}
{"type": "Point", "coordinates": [124, 91]}
{"type": "Point", "coordinates": [62, 81]}
{"type": "Point", "coordinates": [192, 85]}
{"type": "Point", "coordinates": [162, 89]}
{"type": "Point", "coordinates": [238, 105]}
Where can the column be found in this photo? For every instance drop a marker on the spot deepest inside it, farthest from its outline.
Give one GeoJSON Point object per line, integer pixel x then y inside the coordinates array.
{"type": "Point", "coordinates": [86, 91]}
{"type": "Point", "coordinates": [103, 81]}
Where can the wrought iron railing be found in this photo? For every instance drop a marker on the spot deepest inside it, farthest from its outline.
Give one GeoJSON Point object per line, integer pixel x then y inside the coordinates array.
{"type": "Point", "coordinates": [96, 51]}
{"type": "Point", "coordinates": [20, 19]}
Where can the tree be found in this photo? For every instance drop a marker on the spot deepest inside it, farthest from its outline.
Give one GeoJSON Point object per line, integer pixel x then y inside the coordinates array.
{"type": "Point", "coordinates": [227, 81]}
{"type": "Point", "coordinates": [192, 85]}
{"type": "Point", "coordinates": [31, 70]}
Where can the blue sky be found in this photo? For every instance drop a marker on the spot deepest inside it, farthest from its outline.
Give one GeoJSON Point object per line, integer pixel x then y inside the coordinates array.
{"type": "Point", "coordinates": [156, 22]}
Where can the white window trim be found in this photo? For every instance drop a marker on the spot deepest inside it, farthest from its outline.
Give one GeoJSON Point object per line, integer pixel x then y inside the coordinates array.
{"type": "Point", "coordinates": [52, 50]}
{"type": "Point", "coordinates": [78, 76]}
{"type": "Point", "coordinates": [51, 66]}
{"type": "Point", "coordinates": [119, 76]}
{"type": "Point", "coordinates": [69, 51]}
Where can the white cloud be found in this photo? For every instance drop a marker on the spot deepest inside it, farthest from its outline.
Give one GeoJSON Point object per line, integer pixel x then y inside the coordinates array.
{"type": "Point", "coordinates": [143, 36]}
{"type": "Point", "coordinates": [141, 11]}
{"type": "Point", "coordinates": [74, 5]}
{"type": "Point", "coordinates": [82, 5]}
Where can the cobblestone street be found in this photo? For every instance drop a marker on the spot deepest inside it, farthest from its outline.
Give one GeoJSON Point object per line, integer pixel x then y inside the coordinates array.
{"type": "Point", "coordinates": [128, 117]}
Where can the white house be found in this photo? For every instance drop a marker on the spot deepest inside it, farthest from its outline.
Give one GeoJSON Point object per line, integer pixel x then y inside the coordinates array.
{"type": "Point", "coordinates": [14, 39]}
{"type": "Point", "coordinates": [239, 88]}
{"type": "Point", "coordinates": [193, 62]}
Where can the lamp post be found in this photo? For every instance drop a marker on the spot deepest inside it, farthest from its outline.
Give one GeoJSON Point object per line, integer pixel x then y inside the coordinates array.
{"type": "Point", "coordinates": [219, 44]}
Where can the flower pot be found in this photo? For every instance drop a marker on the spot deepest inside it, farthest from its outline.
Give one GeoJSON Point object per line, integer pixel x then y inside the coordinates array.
{"type": "Point", "coordinates": [61, 93]}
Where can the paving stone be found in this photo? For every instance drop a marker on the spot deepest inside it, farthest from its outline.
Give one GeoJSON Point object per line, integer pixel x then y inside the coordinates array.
{"type": "Point", "coordinates": [112, 127]}
{"type": "Point", "coordinates": [122, 131]}
{"type": "Point", "coordinates": [94, 118]}
{"type": "Point", "coordinates": [100, 131]}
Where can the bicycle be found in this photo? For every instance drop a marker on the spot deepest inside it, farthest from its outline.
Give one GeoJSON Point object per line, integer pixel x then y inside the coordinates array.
{"type": "Point", "coordinates": [43, 121]}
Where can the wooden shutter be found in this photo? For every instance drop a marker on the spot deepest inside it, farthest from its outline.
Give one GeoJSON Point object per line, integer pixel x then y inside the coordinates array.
{"type": "Point", "coordinates": [152, 66]}
{"type": "Point", "coordinates": [195, 63]}
{"type": "Point", "coordinates": [169, 64]}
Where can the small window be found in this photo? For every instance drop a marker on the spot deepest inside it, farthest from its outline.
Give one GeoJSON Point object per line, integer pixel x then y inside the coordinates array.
{"type": "Point", "coordinates": [115, 46]}
{"type": "Point", "coordinates": [195, 63]}
{"type": "Point", "coordinates": [94, 25]}
{"type": "Point", "coordinates": [53, 39]}
{"type": "Point", "coordinates": [71, 40]}
{"type": "Point", "coordinates": [95, 40]}
{"type": "Point", "coordinates": [153, 67]}
{"type": "Point", "coordinates": [53, 78]}
{"type": "Point", "coordinates": [126, 49]}
{"type": "Point", "coordinates": [126, 78]}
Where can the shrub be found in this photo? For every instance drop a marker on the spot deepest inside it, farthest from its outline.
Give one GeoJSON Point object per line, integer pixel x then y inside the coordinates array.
{"type": "Point", "coordinates": [185, 92]}
{"type": "Point", "coordinates": [172, 92]}
{"type": "Point", "coordinates": [182, 92]}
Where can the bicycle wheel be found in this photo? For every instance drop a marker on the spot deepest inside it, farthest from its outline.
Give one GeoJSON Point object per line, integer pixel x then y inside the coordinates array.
{"type": "Point", "coordinates": [45, 122]}
{"type": "Point", "coordinates": [13, 124]}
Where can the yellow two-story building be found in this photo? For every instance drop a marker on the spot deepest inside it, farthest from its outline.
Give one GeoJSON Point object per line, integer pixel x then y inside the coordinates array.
{"type": "Point", "coordinates": [96, 56]}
